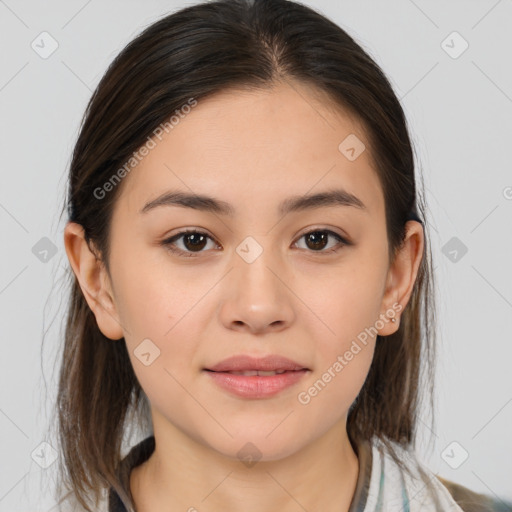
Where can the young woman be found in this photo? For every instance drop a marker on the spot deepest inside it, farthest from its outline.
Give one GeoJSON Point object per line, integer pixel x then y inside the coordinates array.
{"type": "Point", "coordinates": [251, 279]}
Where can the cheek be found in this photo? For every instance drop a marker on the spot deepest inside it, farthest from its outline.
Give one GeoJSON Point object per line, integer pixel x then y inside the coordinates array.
{"type": "Point", "coordinates": [335, 383]}
{"type": "Point", "coordinates": [161, 342]}
{"type": "Point", "coordinates": [345, 299]}
{"type": "Point", "coordinates": [159, 319]}
{"type": "Point", "coordinates": [343, 359]}
{"type": "Point", "coordinates": [150, 298]}
{"type": "Point", "coordinates": [147, 307]}
{"type": "Point", "coordinates": [344, 354]}
{"type": "Point", "coordinates": [348, 304]}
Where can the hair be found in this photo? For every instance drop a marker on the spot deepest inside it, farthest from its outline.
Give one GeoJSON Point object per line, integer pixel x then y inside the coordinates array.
{"type": "Point", "coordinates": [195, 53]}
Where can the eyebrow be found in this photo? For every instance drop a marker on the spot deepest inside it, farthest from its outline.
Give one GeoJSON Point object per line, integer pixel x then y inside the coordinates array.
{"type": "Point", "coordinates": [336, 197]}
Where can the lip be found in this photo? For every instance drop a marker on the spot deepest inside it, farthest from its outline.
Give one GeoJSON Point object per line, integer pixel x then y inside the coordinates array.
{"type": "Point", "coordinates": [256, 386]}
{"type": "Point", "coordinates": [245, 362]}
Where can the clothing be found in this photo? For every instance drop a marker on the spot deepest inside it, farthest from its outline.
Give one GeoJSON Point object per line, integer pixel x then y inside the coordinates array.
{"type": "Point", "coordinates": [381, 485]}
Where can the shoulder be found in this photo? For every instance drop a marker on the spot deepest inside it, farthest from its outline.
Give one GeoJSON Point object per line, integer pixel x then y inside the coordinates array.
{"type": "Point", "coordinates": [414, 479]}
{"type": "Point", "coordinates": [471, 501]}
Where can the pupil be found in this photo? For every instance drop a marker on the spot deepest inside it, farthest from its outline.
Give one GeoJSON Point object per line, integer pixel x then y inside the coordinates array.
{"type": "Point", "coordinates": [317, 239]}
{"type": "Point", "coordinates": [198, 240]}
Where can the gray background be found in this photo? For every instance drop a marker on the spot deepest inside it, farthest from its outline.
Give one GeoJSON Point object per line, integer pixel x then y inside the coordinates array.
{"type": "Point", "coordinates": [459, 110]}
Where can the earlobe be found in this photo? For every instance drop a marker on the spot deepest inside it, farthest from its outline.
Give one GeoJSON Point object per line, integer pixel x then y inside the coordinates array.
{"type": "Point", "coordinates": [402, 275]}
{"type": "Point", "coordinates": [93, 280]}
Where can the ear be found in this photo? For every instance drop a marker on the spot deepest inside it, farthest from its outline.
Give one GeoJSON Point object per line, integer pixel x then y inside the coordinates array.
{"type": "Point", "coordinates": [402, 276]}
{"type": "Point", "coordinates": [94, 281]}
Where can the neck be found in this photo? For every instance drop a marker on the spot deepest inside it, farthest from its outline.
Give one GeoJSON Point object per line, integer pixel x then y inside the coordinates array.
{"type": "Point", "coordinates": [183, 474]}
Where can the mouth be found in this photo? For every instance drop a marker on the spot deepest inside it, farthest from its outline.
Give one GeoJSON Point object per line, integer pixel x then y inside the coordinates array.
{"type": "Point", "coordinates": [257, 373]}
{"type": "Point", "coordinates": [250, 377]}
{"type": "Point", "coordinates": [250, 366]}
{"type": "Point", "coordinates": [256, 384]}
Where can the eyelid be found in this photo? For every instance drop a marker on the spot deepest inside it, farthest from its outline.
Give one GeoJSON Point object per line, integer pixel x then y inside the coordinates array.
{"type": "Point", "coordinates": [168, 242]}
{"type": "Point", "coordinates": [312, 229]}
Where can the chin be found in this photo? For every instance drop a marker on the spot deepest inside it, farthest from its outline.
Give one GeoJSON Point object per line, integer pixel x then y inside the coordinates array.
{"type": "Point", "coordinates": [252, 448]}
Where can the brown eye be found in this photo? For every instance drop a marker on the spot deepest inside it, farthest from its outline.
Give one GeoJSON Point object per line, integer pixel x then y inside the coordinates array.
{"type": "Point", "coordinates": [318, 240]}
{"type": "Point", "coordinates": [192, 242]}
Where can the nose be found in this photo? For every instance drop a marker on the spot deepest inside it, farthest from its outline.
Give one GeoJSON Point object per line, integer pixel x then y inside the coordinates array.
{"type": "Point", "coordinates": [257, 297]}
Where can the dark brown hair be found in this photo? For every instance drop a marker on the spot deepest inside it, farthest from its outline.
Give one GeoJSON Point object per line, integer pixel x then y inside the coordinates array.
{"type": "Point", "coordinates": [195, 53]}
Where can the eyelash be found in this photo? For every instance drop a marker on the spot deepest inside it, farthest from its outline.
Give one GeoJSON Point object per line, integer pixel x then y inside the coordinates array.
{"type": "Point", "coordinates": [169, 242]}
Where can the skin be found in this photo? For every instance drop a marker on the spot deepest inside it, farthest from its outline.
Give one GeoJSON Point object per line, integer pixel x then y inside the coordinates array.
{"type": "Point", "coordinates": [251, 149]}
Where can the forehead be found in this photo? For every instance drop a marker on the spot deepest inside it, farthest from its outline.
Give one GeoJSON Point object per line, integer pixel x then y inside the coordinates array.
{"type": "Point", "coordinates": [249, 146]}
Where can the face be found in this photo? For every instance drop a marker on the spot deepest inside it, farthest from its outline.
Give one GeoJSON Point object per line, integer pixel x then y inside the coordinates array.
{"type": "Point", "coordinates": [312, 284]}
